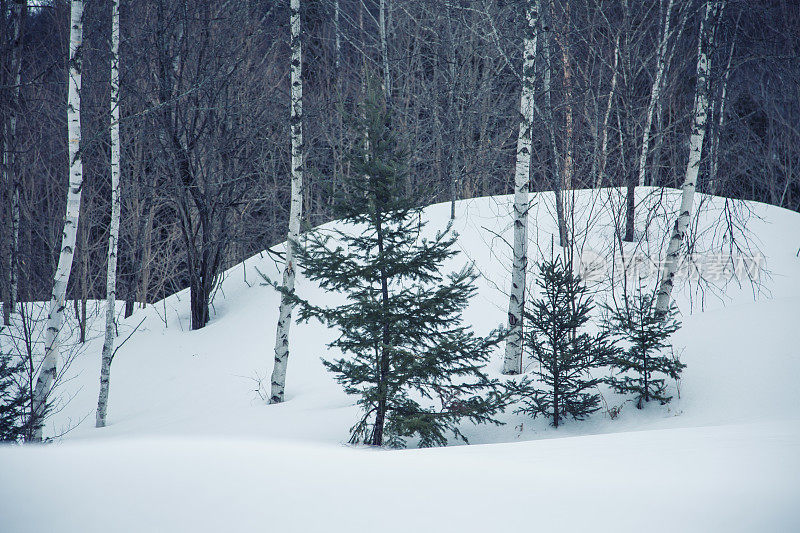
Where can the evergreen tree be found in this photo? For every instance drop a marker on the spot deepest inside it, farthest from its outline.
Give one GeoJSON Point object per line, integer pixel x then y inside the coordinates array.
{"type": "Point", "coordinates": [416, 368]}
{"type": "Point", "coordinates": [637, 324]}
{"type": "Point", "coordinates": [565, 353]}
{"type": "Point", "coordinates": [12, 401]}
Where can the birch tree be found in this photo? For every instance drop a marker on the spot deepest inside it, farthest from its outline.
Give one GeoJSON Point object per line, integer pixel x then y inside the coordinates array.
{"type": "Point", "coordinates": [20, 9]}
{"type": "Point", "coordinates": [698, 132]}
{"type": "Point", "coordinates": [113, 232]}
{"type": "Point", "coordinates": [55, 317]}
{"type": "Point", "coordinates": [512, 363]}
{"type": "Point", "coordinates": [295, 209]}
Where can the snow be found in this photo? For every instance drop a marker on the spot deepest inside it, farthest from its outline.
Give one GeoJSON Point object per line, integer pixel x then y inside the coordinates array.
{"type": "Point", "coordinates": [191, 446]}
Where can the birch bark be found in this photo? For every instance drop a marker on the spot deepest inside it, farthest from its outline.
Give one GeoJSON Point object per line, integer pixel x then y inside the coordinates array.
{"type": "Point", "coordinates": [20, 8]}
{"type": "Point", "coordinates": [278, 380]}
{"type": "Point", "coordinates": [699, 123]}
{"type": "Point", "coordinates": [512, 363]}
{"type": "Point", "coordinates": [55, 317]}
{"type": "Point", "coordinates": [113, 232]}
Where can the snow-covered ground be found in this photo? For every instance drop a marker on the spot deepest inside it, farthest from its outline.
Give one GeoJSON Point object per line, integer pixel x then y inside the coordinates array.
{"type": "Point", "coordinates": [191, 446]}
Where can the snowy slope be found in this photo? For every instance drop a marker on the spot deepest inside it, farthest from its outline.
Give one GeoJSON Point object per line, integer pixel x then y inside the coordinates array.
{"type": "Point", "coordinates": [191, 446]}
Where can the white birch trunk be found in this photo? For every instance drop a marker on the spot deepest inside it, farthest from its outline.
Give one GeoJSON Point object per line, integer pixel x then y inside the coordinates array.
{"type": "Point", "coordinates": [55, 317]}
{"type": "Point", "coordinates": [113, 232]}
{"type": "Point", "coordinates": [295, 210]}
{"type": "Point", "coordinates": [699, 122]}
{"type": "Point", "coordinates": [9, 171]}
{"type": "Point", "coordinates": [512, 363]}
{"type": "Point", "coordinates": [655, 93]}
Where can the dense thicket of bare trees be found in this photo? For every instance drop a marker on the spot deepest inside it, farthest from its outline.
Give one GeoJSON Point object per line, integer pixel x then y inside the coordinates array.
{"type": "Point", "coordinates": [204, 103]}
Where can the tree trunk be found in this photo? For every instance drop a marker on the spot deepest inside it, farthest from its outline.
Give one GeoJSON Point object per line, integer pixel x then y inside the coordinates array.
{"type": "Point", "coordinates": [55, 317]}
{"type": "Point", "coordinates": [604, 136]}
{"type": "Point", "coordinates": [662, 63]}
{"type": "Point", "coordinates": [83, 280]}
{"type": "Point", "coordinates": [387, 87]}
{"type": "Point", "coordinates": [699, 121]}
{"type": "Point", "coordinates": [113, 232]}
{"type": "Point", "coordinates": [512, 364]}
{"type": "Point", "coordinates": [569, 128]}
{"type": "Point", "coordinates": [556, 167]}
{"type": "Point", "coordinates": [383, 362]}
{"type": "Point", "coordinates": [630, 210]}
{"type": "Point", "coordinates": [717, 130]}
{"type": "Point", "coordinates": [337, 29]}
{"type": "Point", "coordinates": [20, 8]}
{"type": "Point", "coordinates": [295, 210]}
{"type": "Point", "coordinates": [655, 94]}
{"type": "Point", "coordinates": [198, 294]}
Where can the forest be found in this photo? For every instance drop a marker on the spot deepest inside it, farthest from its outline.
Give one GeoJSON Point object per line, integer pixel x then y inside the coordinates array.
{"type": "Point", "coordinates": [204, 134]}
{"type": "Point", "coordinates": [556, 231]}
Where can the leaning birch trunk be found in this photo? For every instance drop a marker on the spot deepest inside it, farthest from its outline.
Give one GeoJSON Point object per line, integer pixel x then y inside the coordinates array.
{"type": "Point", "coordinates": [55, 317]}
{"type": "Point", "coordinates": [295, 210]}
{"type": "Point", "coordinates": [512, 363]}
{"type": "Point", "coordinates": [10, 175]}
{"type": "Point", "coordinates": [113, 232]}
{"type": "Point", "coordinates": [699, 121]}
{"type": "Point", "coordinates": [655, 94]}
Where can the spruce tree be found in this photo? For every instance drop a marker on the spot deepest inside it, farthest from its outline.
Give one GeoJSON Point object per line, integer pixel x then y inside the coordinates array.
{"type": "Point", "coordinates": [564, 353]}
{"type": "Point", "coordinates": [416, 368]}
{"type": "Point", "coordinates": [641, 368]}
{"type": "Point", "coordinates": [12, 401]}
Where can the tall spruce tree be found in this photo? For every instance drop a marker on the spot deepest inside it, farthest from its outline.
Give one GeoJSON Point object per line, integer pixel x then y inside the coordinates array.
{"type": "Point", "coordinates": [564, 353]}
{"type": "Point", "coordinates": [415, 367]}
{"type": "Point", "coordinates": [641, 368]}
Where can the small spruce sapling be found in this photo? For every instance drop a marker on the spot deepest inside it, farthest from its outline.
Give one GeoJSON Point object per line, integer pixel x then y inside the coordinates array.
{"type": "Point", "coordinates": [416, 369]}
{"type": "Point", "coordinates": [564, 353]}
{"type": "Point", "coordinates": [641, 368]}
{"type": "Point", "coordinates": [12, 400]}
